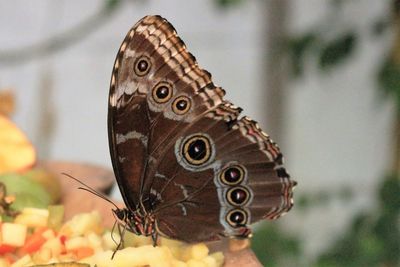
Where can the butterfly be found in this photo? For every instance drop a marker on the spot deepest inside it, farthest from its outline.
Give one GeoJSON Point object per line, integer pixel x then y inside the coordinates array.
{"type": "Point", "coordinates": [188, 165]}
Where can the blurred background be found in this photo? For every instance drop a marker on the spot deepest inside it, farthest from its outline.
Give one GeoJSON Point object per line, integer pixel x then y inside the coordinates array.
{"type": "Point", "coordinates": [321, 77]}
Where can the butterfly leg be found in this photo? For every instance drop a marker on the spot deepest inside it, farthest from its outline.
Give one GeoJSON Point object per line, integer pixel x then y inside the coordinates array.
{"type": "Point", "coordinates": [241, 233]}
{"type": "Point", "coordinates": [121, 241]}
{"type": "Point", "coordinates": [154, 236]}
{"type": "Point", "coordinates": [244, 233]}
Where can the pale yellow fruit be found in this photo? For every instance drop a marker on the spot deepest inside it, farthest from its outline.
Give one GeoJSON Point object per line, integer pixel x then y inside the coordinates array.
{"type": "Point", "coordinates": [53, 245]}
{"type": "Point", "coordinates": [141, 256]}
{"type": "Point", "coordinates": [76, 242]}
{"type": "Point", "coordinates": [4, 263]}
{"type": "Point", "coordinates": [196, 252]}
{"type": "Point", "coordinates": [33, 217]}
{"type": "Point", "coordinates": [16, 151]}
{"type": "Point", "coordinates": [22, 262]}
{"type": "Point", "coordinates": [82, 224]}
{"type": "Point", "coordinates": [13, 234]}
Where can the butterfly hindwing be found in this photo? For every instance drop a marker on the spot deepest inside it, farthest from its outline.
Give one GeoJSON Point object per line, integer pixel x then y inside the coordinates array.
{"type": "Point", "coordinates": [260, 189]}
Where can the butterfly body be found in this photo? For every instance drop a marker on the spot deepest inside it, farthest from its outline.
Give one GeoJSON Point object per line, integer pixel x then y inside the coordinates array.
{"type": "Point", "coordinates": [187, 165]}
{"type": "Point", "coordinates": [137, 222]}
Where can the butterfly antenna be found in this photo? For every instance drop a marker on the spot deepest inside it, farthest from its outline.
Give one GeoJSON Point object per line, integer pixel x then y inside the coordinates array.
{"type": "Point", "coordinates": [90, 190]}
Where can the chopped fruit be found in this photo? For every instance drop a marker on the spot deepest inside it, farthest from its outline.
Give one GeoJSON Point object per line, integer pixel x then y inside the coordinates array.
{"type": "Point", "coordinates": [84, 239]}
{"type": "Point", "coordinates": [196, 252]}
{"type": "Point", "coordinates": [36, 211]}
{"type": "Point", "coordinates": [6, 248]}
{"type": "Point", "coordinates": [76, 242]}
{"type": "Point", "coordinates": [111, 240]}
{"type": "Point", "coordinates": [17, 152]}
{"type": "Point", "coordinates": [54, 245]}
{"type": "Point", "coordinates": [83, 252]}
{"type": "Point", "coordinates": [13, 234]}
{"type": "Point", "coordinates": [33, 217]}
{"type": "Point", "coordinates": [6, 260]}
{"type": "Point", "coordinates": [33, 243]}
{"type": "Point", "coordinates": [56, 216]}
{"type": "Point", "coordinates": [48, 234]}
{"type": "Point", "coordinates": [132, 240]}
{"type": "Point", "coordinates": [83, 224]}
{"type": "Point", "coordinates": [42, 256]}
{"type": "Point", "coordinates": [94, 241]}
{"type": "Point", "coordinates": [24, 261]}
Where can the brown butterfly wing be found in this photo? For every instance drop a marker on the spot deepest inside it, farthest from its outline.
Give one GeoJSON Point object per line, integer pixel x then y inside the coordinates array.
{"type": "Point", "coordinates": [203, 195]}
{"type": "Point", "coordinates": [128, 124]}
{"type": "Point", "coordinates": [135, 119]}
{"type": "Point", "coordinates": [172, 138]}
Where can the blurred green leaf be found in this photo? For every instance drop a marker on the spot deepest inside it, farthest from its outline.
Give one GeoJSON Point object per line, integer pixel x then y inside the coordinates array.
{"type": "Point", "coordinates": [272, 245]}
{"type": "Point", "coordinates": [338, 3]}
{"type": "Point", "coordinates": [389, 79]}
{"type": "Point", "coordinates": [387, 230]}
{"type": "Point", "coordinates": [373, 239]}
{"type": "Point", "coordinates": [111, 4]}
{"type": "Point", "coordinates": [322, 198]}
{"type": "Point", "coordinates": [228, 3]}
{"type": "Point", "coordinates": [389, 194]}
{"type": "Point", "coordinates": [337, 50]}
{"type": "Point", "coordinates": [380, 26]}
{"type": "Point", "coordinates": [346, 193]}
{"type": "Point", "coordinates": [303, 202]}
{"type": "Point", "coordinates": [298, 47]}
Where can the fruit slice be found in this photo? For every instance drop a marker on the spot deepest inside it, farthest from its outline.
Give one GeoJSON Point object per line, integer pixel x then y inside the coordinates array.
{"type": "Point", "coordinates": [33, 217]}
{"type": "Point", "coordinates": [13, 234]}
{"type": "Point", "coordinates": [27, 193]}
{"type": "Point", "coordinates": [16, 152]}
{"type": "Point", "coordinates": [56, 216]}
{"type": "Point", "coordinates": [48, 180]}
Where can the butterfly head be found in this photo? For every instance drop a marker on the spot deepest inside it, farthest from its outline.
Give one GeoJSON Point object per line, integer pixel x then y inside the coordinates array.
{"type": "Point", "coordinates": [121, 214]}
{"type": "Point", "coordinates": [135, 222]}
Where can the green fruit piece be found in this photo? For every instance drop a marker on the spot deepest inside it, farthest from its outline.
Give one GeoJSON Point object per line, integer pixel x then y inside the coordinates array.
{"type": "Point", "coordinates": [23, 199]}
{"type": "Point", "coordinates": [27, 193]}
{"type": "Point", "coordinates": [56, 216]}
{"type": "Point", "coordinates": [5, 218]}
{"type": "Point", "coordinates": [48, 180]}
